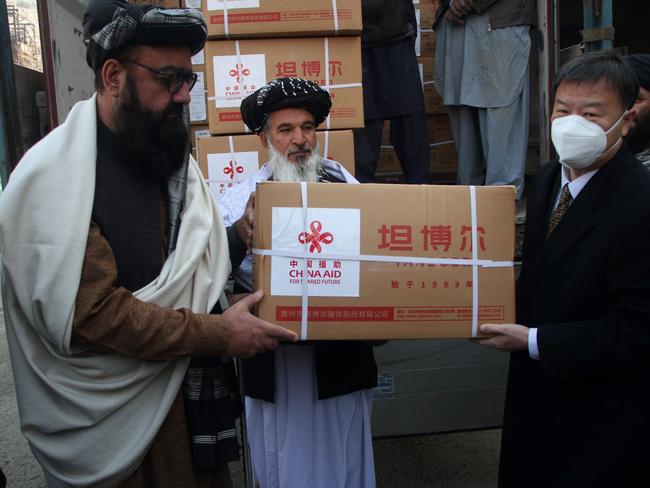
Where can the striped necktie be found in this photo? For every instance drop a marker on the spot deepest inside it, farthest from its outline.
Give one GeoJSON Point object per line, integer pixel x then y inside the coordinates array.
{"type": "Point", "coordinates": [560, 210]}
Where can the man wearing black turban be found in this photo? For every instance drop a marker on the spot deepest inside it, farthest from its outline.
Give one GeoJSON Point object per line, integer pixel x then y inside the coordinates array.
{"type": "Point", "coordinates": [284, 93]}
{"type": "Point", "coordinates": [114, 263]}
{"type": "Point", "coordinates": [310, 402]}
{"type": "Point", "coordinates": [639, 136]}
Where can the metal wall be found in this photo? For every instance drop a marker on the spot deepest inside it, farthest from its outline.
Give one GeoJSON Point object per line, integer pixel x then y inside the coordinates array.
{"type": "Point", "coordinates": [429, 386]}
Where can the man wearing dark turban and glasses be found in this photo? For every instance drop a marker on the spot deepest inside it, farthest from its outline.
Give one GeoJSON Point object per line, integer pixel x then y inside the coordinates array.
{"type": "Point", "coordinates": [114, 261]}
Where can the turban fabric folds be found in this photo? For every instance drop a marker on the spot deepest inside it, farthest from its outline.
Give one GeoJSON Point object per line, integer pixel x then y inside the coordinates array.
{"type": "Point", "coordinates": [111, 25]}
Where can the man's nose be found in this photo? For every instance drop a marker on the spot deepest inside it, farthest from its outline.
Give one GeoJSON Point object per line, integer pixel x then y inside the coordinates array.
{"type": "Point", "coordinates": [298, 137]}
{"type": "Point", "coordinates": [183, 95]}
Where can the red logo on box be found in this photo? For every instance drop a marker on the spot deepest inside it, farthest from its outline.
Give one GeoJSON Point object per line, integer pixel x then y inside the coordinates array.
{"type": "Point", "coordinates": [231, 168]}
{"type": "Point", "coordinates": [239, 72]}
{"type": "Point", "coordinates": [315, 238]}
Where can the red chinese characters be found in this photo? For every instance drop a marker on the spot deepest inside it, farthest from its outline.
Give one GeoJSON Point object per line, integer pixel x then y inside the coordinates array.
{"type": "Point", "coordinates": [400, 237]}
{"type": "Point", "coordinates": [311, 69]}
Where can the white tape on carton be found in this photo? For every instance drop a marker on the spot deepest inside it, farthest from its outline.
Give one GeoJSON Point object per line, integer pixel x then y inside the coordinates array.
{"type": "Point", "coordinates": [472, 200]}
{"type": "Point", "coordinates": [303, 266]}
{"type": "Point", "coordinates": [335, 16]}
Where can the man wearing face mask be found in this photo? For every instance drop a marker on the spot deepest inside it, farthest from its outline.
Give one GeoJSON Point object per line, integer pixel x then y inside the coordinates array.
{"type": "Point", "coordinates": [577, 402]}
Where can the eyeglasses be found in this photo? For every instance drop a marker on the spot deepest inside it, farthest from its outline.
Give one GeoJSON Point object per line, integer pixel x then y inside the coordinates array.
{"type": "Point", "coordinates": [175, 79]}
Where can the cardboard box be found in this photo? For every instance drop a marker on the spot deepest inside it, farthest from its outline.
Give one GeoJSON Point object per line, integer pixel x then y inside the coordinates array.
{"type": "Point", "coordinates": [227, 160]}
{"type": "Point", "coordinates": [197, 132]}
{"type": "Point", "coordinates": [235, 69]}
{"type": "Point", "coordinates": [438, 129]}
{"type": "Point", "coordinates": [432, 100]}
{"type": "Point", "coordinates": [444, 158]}
{"type": "Point", "coordinates": [350, 294]}
{"type": "Point", "coordinates": [433, 103]}
{"type": "Point", "coordinates": [199, 94]}
{"type": "Point", "coordinates": [281, 18]}
{"type": "Point", "coordinates": [425, 42]}
{"type": "Point", "coordinates": [388, 162]}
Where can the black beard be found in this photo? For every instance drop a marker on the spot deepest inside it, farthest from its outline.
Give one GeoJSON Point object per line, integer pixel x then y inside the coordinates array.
{"type": "Point", "coordinates": [638, 138]}
{"type": "Point", "coordinates": [155, 140]}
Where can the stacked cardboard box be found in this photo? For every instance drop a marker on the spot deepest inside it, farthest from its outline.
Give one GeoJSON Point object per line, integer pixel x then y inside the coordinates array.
{"type": "Point", "coordinates": [246, 19]}
{"type": "Point", "coordinates": [443, 156]}
{"type": "Point", "coordinates": [227, 160]}
{"type": "Point", "coordinates": [425, 42]}
{"type": "Point", "coordinates": [199, 103]}
{"type": "Point", "coordinates": [238, 68]}
{"type": "Point", "coordinates": [251, 42]}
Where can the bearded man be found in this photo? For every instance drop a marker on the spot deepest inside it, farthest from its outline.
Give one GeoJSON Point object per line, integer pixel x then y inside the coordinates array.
{"type": "Point", "coordinates": [113, 256]}
{"type": "Point", "coordinates": [639, 136]}
{"type": "Point", "coordinates": [307, 407]}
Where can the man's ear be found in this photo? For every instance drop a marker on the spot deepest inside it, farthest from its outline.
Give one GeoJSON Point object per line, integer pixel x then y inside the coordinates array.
{"type": "Point", "coordinates": [264, 139]}
{"type": "Point", "coordinates": [113, 76]}
{"type": "Point", "coordinates": [628, 121]}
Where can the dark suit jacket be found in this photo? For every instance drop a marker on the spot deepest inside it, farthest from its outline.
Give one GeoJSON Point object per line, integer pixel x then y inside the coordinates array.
{"type": "Point", "coordinates": [580, 417]}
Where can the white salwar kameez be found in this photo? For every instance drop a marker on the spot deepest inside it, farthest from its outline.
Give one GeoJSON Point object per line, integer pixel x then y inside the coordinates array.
{"type": "Point", "coordinates": [300, 441]}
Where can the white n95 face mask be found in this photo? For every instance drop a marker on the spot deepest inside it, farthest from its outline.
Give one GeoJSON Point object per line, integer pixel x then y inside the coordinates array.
{"type": "Point", "coordinates": [578, 141]}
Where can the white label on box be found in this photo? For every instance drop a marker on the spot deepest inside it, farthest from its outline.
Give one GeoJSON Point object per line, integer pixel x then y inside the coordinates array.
{"type": "Point", "coordinates": [199, 58]}
{"type": "Point", "coordinates": [417, 34]}
{"type": "Point", "coordinates": [329, 231]}
{"type": "Point", "coordinates": [198, 110]}
{"type": "Point", "coordinates": [198, 134]}
{"type": "Point", "coordinates": [193, 3]}
{"type": "Point", "coordinates": [236, 77]}
{"type": "Point", "coordinates": [222, 167]}
{"type": "Point", "coordinates": [217, 188]}
{"type": "Point", "coordinates": [218, 4]}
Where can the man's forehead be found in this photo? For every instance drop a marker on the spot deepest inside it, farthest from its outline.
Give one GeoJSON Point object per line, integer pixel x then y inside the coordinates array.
{"type": "Point", "coordinates": [291, 116]}
{"type": "Point", "coordinates": [159, 56]}
{"type": "Point", "coordinates": [599, 92]}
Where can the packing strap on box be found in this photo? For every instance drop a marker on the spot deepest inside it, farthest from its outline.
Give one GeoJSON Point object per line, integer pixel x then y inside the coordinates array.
{"type": "Point", "coordinates": [226, 31]}
{"type": "Point", "coordinates": [328, 86]}
{"type": "Point", "coordinates": [433, 144]}
{"type": "Point", "coordinates": [474, 262]}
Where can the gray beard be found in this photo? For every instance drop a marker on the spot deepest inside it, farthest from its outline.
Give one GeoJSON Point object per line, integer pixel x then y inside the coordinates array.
{"type": "Point", "coordinates": [303, 170]}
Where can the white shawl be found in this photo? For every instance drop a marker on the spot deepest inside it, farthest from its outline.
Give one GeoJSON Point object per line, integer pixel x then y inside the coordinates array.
{"type": "Point", "coordinates": [88, 416]}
